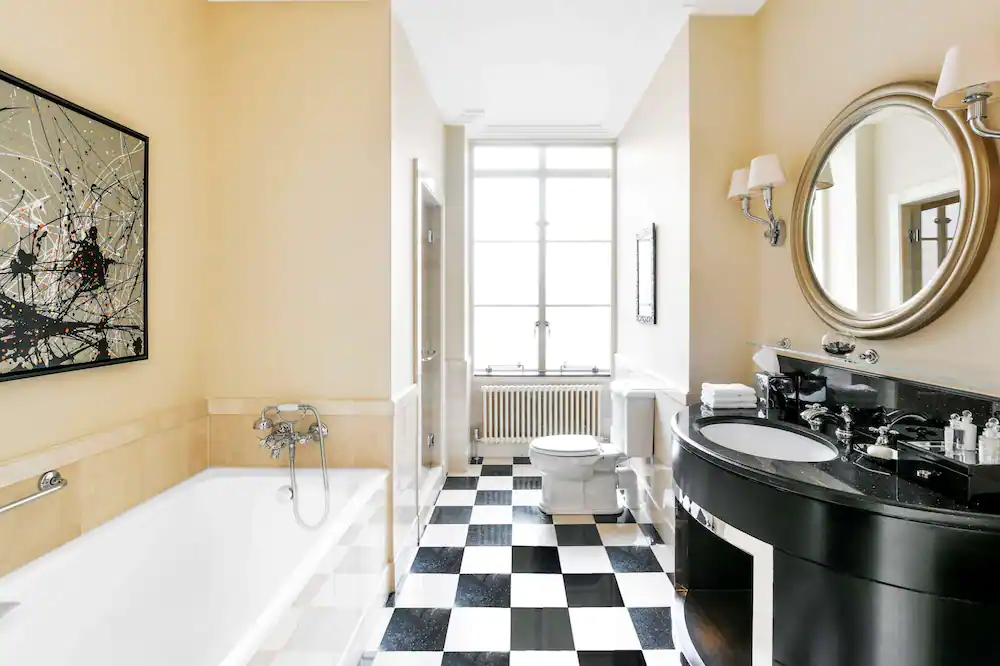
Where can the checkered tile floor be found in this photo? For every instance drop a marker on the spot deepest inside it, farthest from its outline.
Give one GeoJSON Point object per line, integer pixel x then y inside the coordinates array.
{"type": "Point", "coordinates": [496, 582]}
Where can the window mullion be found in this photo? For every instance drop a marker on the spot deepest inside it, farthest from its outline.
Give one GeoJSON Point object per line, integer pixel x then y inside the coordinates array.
{"type": "Point", "coordinates": [543, 327]}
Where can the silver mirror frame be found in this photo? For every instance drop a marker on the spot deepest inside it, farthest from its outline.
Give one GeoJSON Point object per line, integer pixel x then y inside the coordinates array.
{"type": "Point", "coordinates": [980, 191]}
{"type": "Point", "coordinates": [647, 235]}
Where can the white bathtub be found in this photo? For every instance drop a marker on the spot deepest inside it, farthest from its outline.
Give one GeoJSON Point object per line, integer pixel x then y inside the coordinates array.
{"type": "Point", "coordinates": [196, 576]}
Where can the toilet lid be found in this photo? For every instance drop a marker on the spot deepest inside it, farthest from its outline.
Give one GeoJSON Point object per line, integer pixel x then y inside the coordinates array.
{"type": "Point", "coordinates": [567, 445]}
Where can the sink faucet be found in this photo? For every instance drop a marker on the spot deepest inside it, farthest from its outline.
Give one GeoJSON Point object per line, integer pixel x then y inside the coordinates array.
{"type": "Point", "coordinates": [897, 415]}
{"type": "Point", "coordinates": [817, 414]}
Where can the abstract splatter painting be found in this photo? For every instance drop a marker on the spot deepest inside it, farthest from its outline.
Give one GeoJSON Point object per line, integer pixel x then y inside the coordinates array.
{"type": "Point", "coordinates": [73, 220]}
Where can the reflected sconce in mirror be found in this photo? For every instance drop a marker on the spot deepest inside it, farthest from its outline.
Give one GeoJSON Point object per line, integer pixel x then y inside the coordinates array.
{"type": "Point", "coordinates": [970, 79]}
{"type": "Point", "coordinates": [765, 174]}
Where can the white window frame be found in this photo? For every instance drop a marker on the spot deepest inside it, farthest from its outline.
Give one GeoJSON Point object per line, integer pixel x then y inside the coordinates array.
{"type": "Point", "coordinates": [542, 173]}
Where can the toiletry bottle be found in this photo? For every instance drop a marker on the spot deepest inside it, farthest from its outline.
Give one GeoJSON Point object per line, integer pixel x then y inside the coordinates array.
{"type": "Point", "coordinates": [969, 440]}
{"type": "Point", "coordinates": [989, 443]}
{"type": "Point", "coordinates": [954, 424]}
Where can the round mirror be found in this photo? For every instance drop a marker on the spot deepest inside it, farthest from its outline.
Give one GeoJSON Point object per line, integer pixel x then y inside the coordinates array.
{"type": "Point", "coordinates": [893, 213]}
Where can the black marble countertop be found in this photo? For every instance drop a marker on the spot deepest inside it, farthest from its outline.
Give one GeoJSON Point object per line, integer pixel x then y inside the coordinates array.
{"type": "Point", "coordinates": [851, 479]}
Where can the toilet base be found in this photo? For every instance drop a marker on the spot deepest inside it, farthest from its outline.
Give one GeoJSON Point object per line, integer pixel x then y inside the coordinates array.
{"type": "Point", "coordinates": [598, 495]}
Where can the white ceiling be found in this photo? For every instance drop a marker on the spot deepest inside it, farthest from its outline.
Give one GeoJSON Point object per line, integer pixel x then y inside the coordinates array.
{"type": "Point", "coordinates": [545, 68]}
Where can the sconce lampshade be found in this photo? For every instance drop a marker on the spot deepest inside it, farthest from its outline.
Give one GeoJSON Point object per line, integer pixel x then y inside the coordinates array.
{"type": "Point", "coordinates": [765, 171]}
{"type": "Point", "coordinates": [825, 180]}
{"type": "Point", "coordinates": [973, 67]}
{"type": "Point", "coordinates": [738, 185]}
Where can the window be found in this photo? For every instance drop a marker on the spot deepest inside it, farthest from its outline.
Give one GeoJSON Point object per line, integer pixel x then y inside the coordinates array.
{"type": "Point", "coordinates": [542, 225]}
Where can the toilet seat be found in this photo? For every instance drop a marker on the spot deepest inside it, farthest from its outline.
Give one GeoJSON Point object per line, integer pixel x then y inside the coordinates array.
{"type": "Point", "coordinates": [567, 446]}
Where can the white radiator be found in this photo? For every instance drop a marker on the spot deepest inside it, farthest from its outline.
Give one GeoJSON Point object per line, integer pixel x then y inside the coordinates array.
{"type": "Point", "coordinates": [520, 413]}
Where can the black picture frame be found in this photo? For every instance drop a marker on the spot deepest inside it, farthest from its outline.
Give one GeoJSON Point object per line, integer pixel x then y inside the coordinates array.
{"type": "Point", "coordinates": [645, 272]}
{"type": "Point", "coordinates": [83, 262]}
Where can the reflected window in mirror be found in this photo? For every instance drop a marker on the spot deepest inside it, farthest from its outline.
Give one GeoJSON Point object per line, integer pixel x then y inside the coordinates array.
{"type": "Point", "coordinates": [878, 233]}
{"type": "Point", "coordinates": [645, 291]}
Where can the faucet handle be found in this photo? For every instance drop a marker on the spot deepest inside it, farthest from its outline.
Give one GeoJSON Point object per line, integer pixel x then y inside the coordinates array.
{"type": "Point", "coordinates": [886, 436]}
{"type": "Point", "coordinates": [847, 414]}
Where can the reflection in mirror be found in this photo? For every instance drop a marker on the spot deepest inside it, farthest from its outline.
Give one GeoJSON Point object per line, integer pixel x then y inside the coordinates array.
{"type": "Point", "coordinates": [884, 211]}
{"type": "Point", "coordinates": [645, 296]}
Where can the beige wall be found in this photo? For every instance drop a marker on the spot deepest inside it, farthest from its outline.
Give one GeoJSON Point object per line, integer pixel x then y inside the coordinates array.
{"type": "Point", "coordinates": [654, 185]}
{"type": "Point", "coordinates": [417, 133]}
{"type": "Point", "coordinates": [138, 63]}
{"type": "Point", "coordinates": [300, 228]}
{"type": "Point", "coordinates": [815, 57]}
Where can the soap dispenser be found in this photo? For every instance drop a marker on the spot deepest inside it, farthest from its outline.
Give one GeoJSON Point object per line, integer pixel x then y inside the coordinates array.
{"type": "Point", "coordinates": [989, 443]}
{"type": "Point", "coordinates": [969, 440]}
{"type": "Point", "coordinates": [953, 433]}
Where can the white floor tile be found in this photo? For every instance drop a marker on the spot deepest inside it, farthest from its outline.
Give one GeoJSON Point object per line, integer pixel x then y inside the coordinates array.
{"type": "Point", "coordinates": [526, 470]}
{"type": "Point", "coordinates": [665, 556]}
{"type": "Point", "coordinates": [441, 536]}
{"type": "Point", "coordinates": [499, 460]}
{"type": "Point", "coordinates": [537, 591]}
{"type": "Point", "coordinates": [661, 657]}
{"type": "Point", "coordinates": [534, 535]}
{"type": "Point", "coordinates": [645, 590]}
{"type": "Point", "coordinates": [584, 559]}
{"type": "Point", "coordinates": [428, 591]}
{"type": "Point", "coordinates": [487, 560]}
{"type": "Point", "coordinates": [473, 470]}
{"type": "Point", "coordinates": [496, 483]}
{"type": "Point", "coordinates": [603, 629]}
{"type": "Point", "coordinates": [544, 658]}
{"type": "Point", "coordinates": [408, 659]}
{"type": "Point", "coordinates": [527, 497]}
{"type": "Point", "coordinates": [456, 498]}
{"type": "Point", "coordinates": [478, 630]}
{"type": "Point", "coordinates": [573, 519]}
{"type": "Point", "coordinates": [492, 515]}
{"type": "Point", "coordinates": [622, 535]}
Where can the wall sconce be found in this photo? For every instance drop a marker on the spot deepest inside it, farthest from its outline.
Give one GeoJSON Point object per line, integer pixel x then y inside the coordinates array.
{"type": "Point", "coordinates": [969, 79]}
{"type": "Point", "coordinates": [760, 179]}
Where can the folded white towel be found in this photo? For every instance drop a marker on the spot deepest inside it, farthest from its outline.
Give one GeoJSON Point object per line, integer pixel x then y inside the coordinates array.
{"type": "Point", "coordinates": [731, 403]}
{"type": "Point", "coordinates": [728, 391]}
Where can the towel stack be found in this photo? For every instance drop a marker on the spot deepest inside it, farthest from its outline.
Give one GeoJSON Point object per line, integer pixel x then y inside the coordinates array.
{"type": "Point", "coordinates": [728, 396]}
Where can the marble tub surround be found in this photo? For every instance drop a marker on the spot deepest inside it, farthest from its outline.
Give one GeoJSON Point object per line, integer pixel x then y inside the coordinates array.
{"type": "Point", "coordinates": [361, 433]}
{"type": "Point", "coordinates": [107, 473]}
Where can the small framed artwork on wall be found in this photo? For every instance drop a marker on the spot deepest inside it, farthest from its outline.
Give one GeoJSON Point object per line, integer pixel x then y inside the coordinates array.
{"type": "Point", "coordinates": [73, 236]}
{"type": "Point", "coordinates": [645, 288]}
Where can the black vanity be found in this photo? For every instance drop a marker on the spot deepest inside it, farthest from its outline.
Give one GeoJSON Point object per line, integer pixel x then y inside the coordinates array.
{"type": "Point", "coordinates": [857, 564]}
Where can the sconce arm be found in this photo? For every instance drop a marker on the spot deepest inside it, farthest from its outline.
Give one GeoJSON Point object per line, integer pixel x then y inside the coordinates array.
{"type": "Point", "coordinates": [978, 115]}
{"type": "Point", "coordinates": [750, 216]}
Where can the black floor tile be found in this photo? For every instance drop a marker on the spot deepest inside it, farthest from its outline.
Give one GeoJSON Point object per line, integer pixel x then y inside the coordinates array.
{"type": "Point", "coordinates": [540, 629]}
{"type": "Point", "coordinates": [416, 630]}
{"type": "Point", "coordinates": [578, 535]}
{"type": "Point", "coordinates": [650, 531]}
{"type": "Point", "coordinates": [451, 515]}
{"type": "Point", "coordinates": [438, 561]}
{"type": "Point", "coordinates": [476, 659]}
{"type": "Point", "coordinates": [654, 628]}
{"type": "Point", "coordinates": [536, 559]}
{"type": "Point", "coordinates": [624, 517]}
{"type": "Point", "coordinates": [617, 658]}
{"type": "Point", "coordinates": [483, 590]}
{"type": "Point", "coordinates": [497, 470]}
{"type": "Point", "coordinates": [527, 483]}
{"type": "Point", "coordinates": [633, 559]}
{"type": "Point", "coordinates": [530, 514]}
{"type": "Point", "coordinates": [592, 590]}
{"type": "Point", "coordinates": [522, 460]}
{"type": "Point", "coordinates": [461, 483]}
{"type": "Point", "coordinates": [490, 535]}
{"type": "Point", "coordinates": [494, 498]}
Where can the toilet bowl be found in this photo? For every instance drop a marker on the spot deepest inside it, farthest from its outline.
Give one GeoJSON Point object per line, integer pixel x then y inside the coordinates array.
{"type": "Point", "coordinates": [579, 473]}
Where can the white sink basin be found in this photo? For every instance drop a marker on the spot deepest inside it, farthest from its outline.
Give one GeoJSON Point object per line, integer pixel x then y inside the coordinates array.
{"type": "Point", "coordinates": [768, 442]}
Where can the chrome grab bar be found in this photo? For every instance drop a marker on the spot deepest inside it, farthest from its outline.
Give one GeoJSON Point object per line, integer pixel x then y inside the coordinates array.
{"type": "Point", "coordinates": [49, 483]}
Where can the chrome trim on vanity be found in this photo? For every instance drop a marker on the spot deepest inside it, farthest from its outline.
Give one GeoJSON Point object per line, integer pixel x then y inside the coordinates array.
{"type": "Point", "coordinates": [50, 482]}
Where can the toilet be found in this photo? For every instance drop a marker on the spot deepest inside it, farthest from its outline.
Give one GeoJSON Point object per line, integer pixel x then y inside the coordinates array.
{"type": "Point", "coordinates": [579, 473]}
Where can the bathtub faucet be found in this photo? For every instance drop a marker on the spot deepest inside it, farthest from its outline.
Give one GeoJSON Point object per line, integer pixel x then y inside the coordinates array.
{"type": "Point", "coordinates": [277, 436]}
